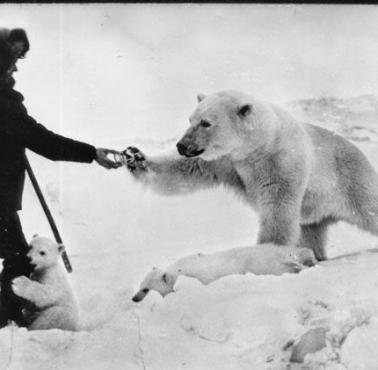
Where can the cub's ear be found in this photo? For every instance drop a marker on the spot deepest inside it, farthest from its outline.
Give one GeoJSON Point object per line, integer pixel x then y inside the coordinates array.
{"type": "Point", "coordinates": [165, 277]}
{"type": "Point", "coordinates": [200, 97]}
{"type": "Point", "coordinates": [245, 110]}
{"type": "Point", "coordinates": [168, 278]}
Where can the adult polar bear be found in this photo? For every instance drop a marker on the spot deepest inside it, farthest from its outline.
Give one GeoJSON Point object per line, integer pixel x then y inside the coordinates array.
{"type": "Point", "coordinates": [300, 178]}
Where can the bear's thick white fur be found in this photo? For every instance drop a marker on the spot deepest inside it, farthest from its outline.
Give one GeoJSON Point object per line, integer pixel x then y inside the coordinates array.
{"type": "Point", "coordinates": [267, 259]}
{"type": "Point", "coordinates": [52, 302]}
{"type": "Point", "coordinates": [300, 178]}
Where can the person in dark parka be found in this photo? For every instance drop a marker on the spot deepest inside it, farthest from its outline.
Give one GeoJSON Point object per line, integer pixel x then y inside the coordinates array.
{"type": "Point", "coordinates": [19, 131]}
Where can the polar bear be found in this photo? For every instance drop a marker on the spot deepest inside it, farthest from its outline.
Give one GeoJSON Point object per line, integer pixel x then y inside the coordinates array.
{"type": "Point", "coordinates": [265, 259]}
{"type": "Point", "coordinates": [52, 303]}
{"type": "Point", "coordinates": [300, 178]}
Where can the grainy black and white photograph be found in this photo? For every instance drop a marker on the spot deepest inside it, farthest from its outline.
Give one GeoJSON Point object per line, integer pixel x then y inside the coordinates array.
{"type": "Point", "coordinates": [188, 186]}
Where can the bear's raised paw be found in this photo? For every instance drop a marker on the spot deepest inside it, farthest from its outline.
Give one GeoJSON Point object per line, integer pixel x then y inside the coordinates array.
{"type": "Point", "coordinates": [134, 160]}
{"type": "Point", "coordinates": [19, 285]}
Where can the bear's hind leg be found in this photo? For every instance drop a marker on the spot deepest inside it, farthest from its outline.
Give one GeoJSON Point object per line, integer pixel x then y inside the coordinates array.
{"type": "Point", "coordinates": [367, 217]}
{"type": "Point", "coordinates": [314, 236]}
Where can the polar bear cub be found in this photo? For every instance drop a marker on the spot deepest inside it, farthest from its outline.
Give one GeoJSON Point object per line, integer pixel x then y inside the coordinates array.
{"type": "Point", "coordinates": [263, 259]}
{"type": "Point", "coordinates": [52, 302]}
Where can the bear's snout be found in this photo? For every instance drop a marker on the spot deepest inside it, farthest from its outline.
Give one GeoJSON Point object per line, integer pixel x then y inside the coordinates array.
{"type": "Point", "coordinates": [181, 148]}
{"type": "Point", "coordinates": [136, 299]}
{"type": "Point", "coordinates": [33, 265]}
{"type": "Point", "coordinates": [29, 260]}
{"type": "Point", "coordinates": [140, 295]}
{"type": "Point", "coordinates": [188, 150]}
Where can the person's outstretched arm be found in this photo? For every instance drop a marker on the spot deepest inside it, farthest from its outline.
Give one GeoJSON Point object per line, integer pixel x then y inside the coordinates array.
{"type": "Point", "coordinates": [40, 140]}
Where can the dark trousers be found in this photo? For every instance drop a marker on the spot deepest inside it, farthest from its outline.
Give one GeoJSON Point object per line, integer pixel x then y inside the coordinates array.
{"type": "Point", "coordinates": [13, 250]}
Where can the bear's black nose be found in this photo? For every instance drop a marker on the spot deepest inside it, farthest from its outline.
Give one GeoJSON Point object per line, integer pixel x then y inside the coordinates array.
{"type": "Point", "coordinates": [182, 148]}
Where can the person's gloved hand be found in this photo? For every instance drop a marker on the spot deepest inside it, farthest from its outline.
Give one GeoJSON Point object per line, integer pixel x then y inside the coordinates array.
{"type": "Point", "coordinates": [103, 160]}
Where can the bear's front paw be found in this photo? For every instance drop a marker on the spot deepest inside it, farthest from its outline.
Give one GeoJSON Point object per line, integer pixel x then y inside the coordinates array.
{"type": "Point", "coordinates": [19, 285]}
{"type": "Point", "coordinates": [134, 160]}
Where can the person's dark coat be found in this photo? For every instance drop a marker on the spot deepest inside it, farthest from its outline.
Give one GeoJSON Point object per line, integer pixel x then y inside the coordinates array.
{"type": "Point", "coordinates": [19, 131]}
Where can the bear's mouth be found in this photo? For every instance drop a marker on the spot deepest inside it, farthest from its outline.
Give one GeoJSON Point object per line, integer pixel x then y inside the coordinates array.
{"type": "Point", "coordinates": [193, 153]}
{"type": "Point", "coordinates": [188, 150]}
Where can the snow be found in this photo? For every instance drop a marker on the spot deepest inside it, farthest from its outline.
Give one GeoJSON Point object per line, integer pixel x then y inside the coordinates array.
{"type": "Point", "coordinates": [128, 75]}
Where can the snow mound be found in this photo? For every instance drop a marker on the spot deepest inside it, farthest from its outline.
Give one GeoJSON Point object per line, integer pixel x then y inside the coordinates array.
{"type": "Point", "coordinates": [237, 322]}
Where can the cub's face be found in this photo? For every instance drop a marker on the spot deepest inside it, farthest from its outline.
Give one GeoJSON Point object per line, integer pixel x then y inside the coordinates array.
{"type": "Point", "coordinates": [43, 253]}
{"type": "Point", "coordinates": [157, 280]}
{"type": "Point", "coordinates": [216, 127]}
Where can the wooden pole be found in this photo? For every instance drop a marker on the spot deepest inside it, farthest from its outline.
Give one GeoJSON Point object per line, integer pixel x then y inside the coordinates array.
{"type": "Point", "coordinates": [48, 214]}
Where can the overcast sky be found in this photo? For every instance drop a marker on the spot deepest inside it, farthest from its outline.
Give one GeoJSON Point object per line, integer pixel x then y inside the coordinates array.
{"type": "Point", "coordinates": [105, 72]}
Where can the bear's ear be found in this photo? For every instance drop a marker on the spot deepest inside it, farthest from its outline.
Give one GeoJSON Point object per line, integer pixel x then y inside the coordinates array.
{"type": "Point", "coordinates": [35, 236]}
{"type": "Point", "coordinates": [168, 278]}
{"type": "Point", "coordinates": [165, 278]}
{"type": "Point", "coordinates": [244, 110]}
{"type": "Point", "coordinates": [200, 97]}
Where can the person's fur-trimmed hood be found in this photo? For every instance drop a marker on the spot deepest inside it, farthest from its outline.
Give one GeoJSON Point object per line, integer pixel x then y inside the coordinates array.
{"type": "Point", "coordinates": [8, 39]}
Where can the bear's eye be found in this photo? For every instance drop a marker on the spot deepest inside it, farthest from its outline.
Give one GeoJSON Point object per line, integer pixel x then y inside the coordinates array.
{"type": "Point", "coordinates": [205, 124]}
{"type": "Point", "coordinates": [42, 253]}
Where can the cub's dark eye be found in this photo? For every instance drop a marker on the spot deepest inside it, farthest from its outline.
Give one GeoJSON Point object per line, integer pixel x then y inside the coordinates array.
{"type": "Point", "coordinates": [42, 253]}
{"type": "Point", "coordinates": [205, 124]}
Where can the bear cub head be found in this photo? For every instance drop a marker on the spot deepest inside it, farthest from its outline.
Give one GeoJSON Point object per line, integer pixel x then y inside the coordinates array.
{"type": "Point", "coordinates": [158, 280]}
{"type": "Point", "coordinates": [43, 253]}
